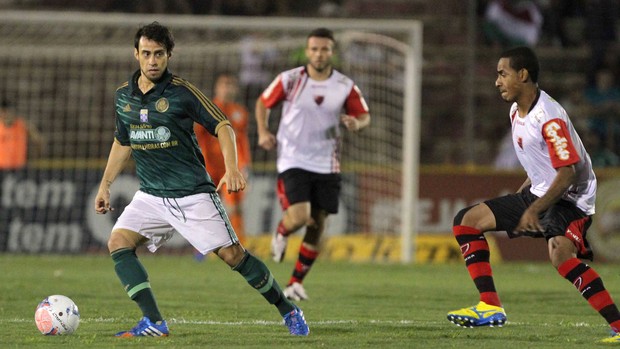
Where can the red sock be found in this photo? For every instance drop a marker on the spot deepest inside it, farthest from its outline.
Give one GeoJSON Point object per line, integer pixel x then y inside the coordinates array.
{"type": "Point", "coordinates": [589, 284]}
{"type": "Point", "coordinates": [307, 256]}
{"type": "Point", "coordinates": [475, 250]}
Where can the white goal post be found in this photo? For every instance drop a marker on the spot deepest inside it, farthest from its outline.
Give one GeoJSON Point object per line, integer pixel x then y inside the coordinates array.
{"type": "Point", "coordinates": [59, 69]}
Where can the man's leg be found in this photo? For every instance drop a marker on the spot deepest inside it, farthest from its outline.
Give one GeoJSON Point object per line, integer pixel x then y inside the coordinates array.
{"type": "Point", "coordinates": [256, 273]}
{"type": "Point", "coordinates": [469, 227]}
{"type": "Point", "coordinates": [134, 278]}
{"type": "Point", "coordinates": [563, 255]}
{"type": "Point", "coordinates": [308, 253]}
{"type": "Point", "coordinates": [296, 216]}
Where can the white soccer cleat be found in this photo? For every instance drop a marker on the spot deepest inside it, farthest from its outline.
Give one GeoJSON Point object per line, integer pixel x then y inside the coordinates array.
{"type": "Point", "coordinates": [296, 292]}
{"type": "Point", "coordinates": [278, 247]}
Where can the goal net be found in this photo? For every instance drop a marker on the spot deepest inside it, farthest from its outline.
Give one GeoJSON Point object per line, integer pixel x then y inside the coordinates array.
{"type": "Point", "coordinates": [59, 71]}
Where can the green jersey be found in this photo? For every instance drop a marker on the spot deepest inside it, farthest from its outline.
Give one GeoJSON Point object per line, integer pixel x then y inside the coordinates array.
{"type": "Point", "coordinates": [159, 128]}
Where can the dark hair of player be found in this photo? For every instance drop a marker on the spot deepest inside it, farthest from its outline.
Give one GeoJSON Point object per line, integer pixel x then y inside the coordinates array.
{"type": "Point", "coordinates": [157, 33]}
{"type": "Point", "coordinates": [322, 33]}
{"type": "Point", "coordinates": [523, 58]}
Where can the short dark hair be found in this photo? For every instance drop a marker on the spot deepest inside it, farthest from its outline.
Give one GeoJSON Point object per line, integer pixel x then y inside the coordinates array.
{"type": "Point", "coordinates": [523, 58]}
{"type": "Point", "coordinates": [322, 33]}
{"type": "Point", "coordinates": [156, 32]}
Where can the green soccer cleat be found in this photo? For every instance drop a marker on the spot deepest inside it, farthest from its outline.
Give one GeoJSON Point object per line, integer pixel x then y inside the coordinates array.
{"type": "Point", "coordinates": [481, 314]}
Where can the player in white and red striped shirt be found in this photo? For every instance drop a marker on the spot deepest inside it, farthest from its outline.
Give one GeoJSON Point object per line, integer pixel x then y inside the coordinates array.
{"type": "Point", "coordinates": [555, 202]}
{"type": "Point", "coordinates": [317, 100]}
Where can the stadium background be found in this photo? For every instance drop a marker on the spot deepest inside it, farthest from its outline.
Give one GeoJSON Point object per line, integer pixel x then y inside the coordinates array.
{"type": "Point", "coordinates": [53, 75]}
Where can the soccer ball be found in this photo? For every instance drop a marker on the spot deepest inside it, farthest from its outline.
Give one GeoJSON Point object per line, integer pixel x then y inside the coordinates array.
{"type": "Point", "coordinates": [57, 315]}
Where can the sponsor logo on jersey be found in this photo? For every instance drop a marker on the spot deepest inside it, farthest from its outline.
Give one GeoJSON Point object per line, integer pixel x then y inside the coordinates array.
{"type": "Point", "coordinates": [144, 115]}
{"type": "Point", "coordinates": [319, 99]}
{"type": "Point", "coordinates": [560, 144]}
{"type": "Point", "coordinates": [162, 105]}
{"type": "Point", "coordinates": [127, 108]}
{"type": "Point", "coordinates": [520, 142]}
{"type": "Point", "coordinates": [159, 134]}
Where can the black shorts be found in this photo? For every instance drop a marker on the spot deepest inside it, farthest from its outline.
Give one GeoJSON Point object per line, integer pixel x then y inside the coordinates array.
{"type": "Point", "coordinates": [321, 190]}
{"type": "Point", "coordinates": [561, 219]}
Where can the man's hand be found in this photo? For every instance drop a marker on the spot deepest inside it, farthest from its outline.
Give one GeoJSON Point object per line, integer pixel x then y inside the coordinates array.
{"type": "Point", "coordinates": [529, 222]}
{"type": "Point", "coordinates": [266, 140]}
{"type": "Point", "coordinates": [350, 122]}
{"type": "Point", "coordinates": [102, 201]}
{"type": "Point", "coordinates": [234, 180]}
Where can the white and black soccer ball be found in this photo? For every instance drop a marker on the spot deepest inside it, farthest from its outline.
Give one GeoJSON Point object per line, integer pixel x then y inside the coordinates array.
{"type": "Point", "coordinates": [57, 315]}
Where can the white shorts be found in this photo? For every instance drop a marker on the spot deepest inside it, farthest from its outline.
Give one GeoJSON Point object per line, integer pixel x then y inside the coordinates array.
{"type": "Point", "coordinates": [199, 218]}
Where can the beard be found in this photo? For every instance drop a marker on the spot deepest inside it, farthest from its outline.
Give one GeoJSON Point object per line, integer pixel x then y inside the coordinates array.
{"type": "Point", "coordinates": [321, 67]}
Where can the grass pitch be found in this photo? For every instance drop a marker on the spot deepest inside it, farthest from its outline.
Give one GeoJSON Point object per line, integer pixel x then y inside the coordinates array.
{"type": "Point", "coordinates": [351, 305]}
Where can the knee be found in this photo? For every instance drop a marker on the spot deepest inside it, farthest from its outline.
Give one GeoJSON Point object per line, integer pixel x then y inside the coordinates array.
{"type": "Point", "coordinates": [458, 219]}
{"type": "Point", "coordinates": [297, 221]}
{"type": "Point", "coordinates": [120, 240]}
{"type": "Point", "coordinates": [231, 255]}
{"type": "Point", "coordinates": [561, 249]}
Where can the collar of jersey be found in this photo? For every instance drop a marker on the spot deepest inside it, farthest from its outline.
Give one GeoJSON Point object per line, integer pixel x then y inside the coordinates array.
{"type": "Point", "coordinates": [159, 86]}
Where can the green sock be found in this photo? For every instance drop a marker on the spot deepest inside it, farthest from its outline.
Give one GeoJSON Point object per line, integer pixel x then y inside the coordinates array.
{"type": "Point", "coordinates": [135, 280]}
{"type": "Point", "coordinates": [258, 276]}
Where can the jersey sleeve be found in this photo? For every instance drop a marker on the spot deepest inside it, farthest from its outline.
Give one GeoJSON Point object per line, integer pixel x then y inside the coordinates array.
{"type": "Point", "coordinates": [355, 104]}
{"type": "Point", "coordinates": [559, 143]}
{"type": "Point", "coordinates": [274, 93]}
{"type": "Point", "coordinates": [120, 133]}
{"type": "Point", "coordinates": [204, 111]}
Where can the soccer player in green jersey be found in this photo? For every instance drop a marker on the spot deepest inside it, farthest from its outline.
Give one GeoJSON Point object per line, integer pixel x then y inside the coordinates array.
{"type": "Point", "coordinates": [155, 113]}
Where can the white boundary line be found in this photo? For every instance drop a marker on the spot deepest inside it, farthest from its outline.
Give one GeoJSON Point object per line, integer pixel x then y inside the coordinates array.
{"type": "Point", "coordinates": [183, 321]}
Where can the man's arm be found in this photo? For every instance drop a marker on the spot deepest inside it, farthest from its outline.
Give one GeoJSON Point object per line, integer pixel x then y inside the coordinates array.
{"type": "Point", "coordinates": [564, 178]}
{"type": "Point", "coordinates": [234, 179]}
{"type": "Point", "coordinates": [119, 154]}
{"type": "Point", "coordinates": [266, 139]}
{"type": "Point", "coordinates": [527, 182]}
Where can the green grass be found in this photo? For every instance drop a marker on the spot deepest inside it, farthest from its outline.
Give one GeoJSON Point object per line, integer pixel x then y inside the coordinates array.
{"type": "Point", "coordinates": [351, 306]}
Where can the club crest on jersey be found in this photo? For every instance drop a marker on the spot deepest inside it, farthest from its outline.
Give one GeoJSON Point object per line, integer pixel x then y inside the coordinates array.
{"type": "Point", "coordinates": [162, 105]}
{"type": "Point", "coordinates": [520, 142]}
{"type": "Point", "coordinates": [319, 99]}
{"type": "Point", "coordinates": [144, 115]}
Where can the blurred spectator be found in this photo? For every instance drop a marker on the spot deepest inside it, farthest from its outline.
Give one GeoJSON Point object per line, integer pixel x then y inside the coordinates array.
{"type": "Point", "coordinates": [256, 54]}
{"type": "Point", "coordinates": [15, 135]}
{"type": "Point", "coordinates": [604, 98]}
{"type": "Point", "coordinates": [577, 106]}
{"type": "Point", "coordinates": [555, 13]}
{"type": "Point", "coordinates": [600, 32]}
{"type": "Point", "coordinates": [600, 155]}
{"type": "Point", "coordinates": [580, 111]}
{"type": "Point", "coordinates": [510, 23]}
{"type": "Point", "coordinates": [226, 91]}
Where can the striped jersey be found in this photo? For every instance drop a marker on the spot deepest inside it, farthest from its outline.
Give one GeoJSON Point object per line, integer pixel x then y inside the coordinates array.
{"type": "Point", "coordinates": [159, 128]}
{"type": "Point", "coordinates": [309, 131]}
{"type": "Point", "coordinates": [544, 140]}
